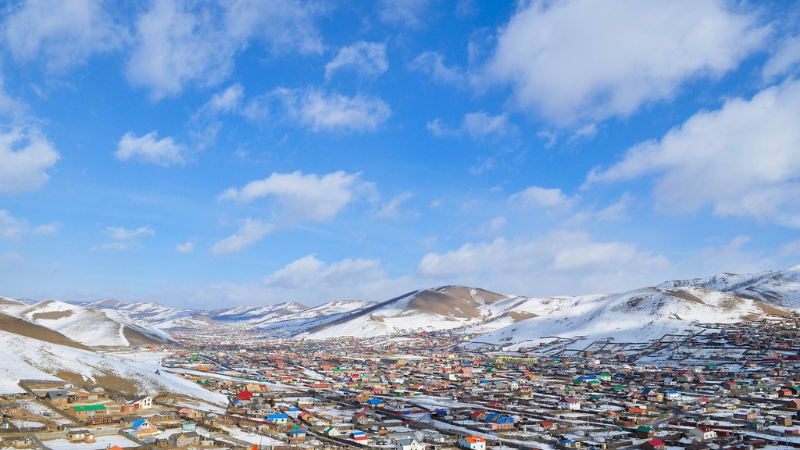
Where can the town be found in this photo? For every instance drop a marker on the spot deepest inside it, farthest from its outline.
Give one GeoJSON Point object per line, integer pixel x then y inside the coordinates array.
{"type": "Point", "coordinates": [720, 386]}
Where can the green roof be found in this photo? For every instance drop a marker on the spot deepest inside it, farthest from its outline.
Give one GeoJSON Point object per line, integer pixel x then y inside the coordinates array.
{"type": "Point", "coordinates": [90, 408]}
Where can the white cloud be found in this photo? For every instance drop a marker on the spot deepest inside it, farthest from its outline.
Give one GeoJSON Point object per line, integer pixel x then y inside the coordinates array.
{"type": "Point", "coordinates": [538, 197]}
{"type": "Point", "coordinates": [742, 160]}
{"type": "Point", "coordinates": [10, 260]}
{"type": "Point", "coordinates": [50, 228]}
{"type": "Point", "coordinates": [11, 228]}
{"type": "Point", "coordinates": [124, 240]}
{"type": "Point", "coordinates": [403, 12]}
{"type": "Point", "coordinates": [25, 155]}
{"type": "Point", "coordinates": [121, 234]}
{"type": "Point", "coordinates": [148, 149]}
{"type": "Point", "coordinates": [187, 247]}
{"type": "Point", "coordinates": [478, 125]}
{"type": "Point", "coordinates": [175, 45]}
{"type": "Point", "coordinates": [205, 124]}
{"type": "Point", "coordinates": [132, 246]}
{"type": "Point", "coordinates": [250, 232]}
{"type": "Point", "coordinates": [587, 132]}
{"type": "Point", "coordinates": [392, 208]}
{"type": "Point", "coordinates": [582, 59]}
{"type": "Point", "coordinates": [322, 111]}
{"type": "Point", "coordinates": [304, 197]}
{"type": "Point", "coordinates": [284, 25]}
{"type": "Point", "coordinates": [310, 272]}
{"type": "Point", "coordinates": [558, 263]}
{"type": "Point", "coordinates": [432, 63]}
{"type": "Point", "coordinates": [493, 227]}
{"type": "Point", "coordinates": [63, 33]}
{"type": "Point", "coordinates": [227, 101]}
{"type": "Point", "coordinates": [785, 59]}
{"type": "Point", "coordinates": [367, 58]}
{"type": "Point", "coordinates": [181, 43]}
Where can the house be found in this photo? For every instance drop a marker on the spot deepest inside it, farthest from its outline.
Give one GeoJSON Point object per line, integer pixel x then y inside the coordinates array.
{"type": "Point", "coordinates": [654, 444]}
{"type": "Point", "coordinates": [142, 428]}
{"type": "Point", "coordinates": [9, 408]}
{"type": "Point", "coordinates": [77, 435]}
{"type": "Point", "coordinates": [360, 436]}
{"type": "Point", "coordinates": [702, 434]}
{"type": "Point", "coordinates": [184, 439]}
{"type": "Point", "coordinates": [473, 443]}
{"type": "Point", "coordinates": [86, 411]}
{"type": "Point", "coordinates": [279, 419]}
{"type": "Point", "coordinates": [570, 403]}
{"type": "Point", "coordinates": [56, 397]}
{"type": "Point", "coordinates": [142, 402]}
{"type": "Point", "coordinates": [408, 444]}
{"type": "Point", "coordinates": [244, 396]}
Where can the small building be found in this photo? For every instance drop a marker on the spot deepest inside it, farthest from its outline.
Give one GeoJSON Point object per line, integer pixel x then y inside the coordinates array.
{"type": "Point", "coordinates": [473, 443]}
{"type": "Point", "coordinates": [409, 444]}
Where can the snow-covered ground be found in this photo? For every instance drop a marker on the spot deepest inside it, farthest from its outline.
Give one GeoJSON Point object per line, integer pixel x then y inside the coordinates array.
{"type": "Point", "coordinates": [100, 442]}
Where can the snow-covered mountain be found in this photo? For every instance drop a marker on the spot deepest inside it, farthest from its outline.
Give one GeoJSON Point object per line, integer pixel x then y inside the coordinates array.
{"type": "Point", "coordinates": [86, 325]}
{"type": "Point", "coordinates": [634, 316]}
{"type": "Point", "coordinates": [155, 315]}
{"type": "Point", "coordinates": [638, 315]}
{"type": "Point", "coordinates": [441, 308]}
{"type": "Point", "coordinates": [252, 315]}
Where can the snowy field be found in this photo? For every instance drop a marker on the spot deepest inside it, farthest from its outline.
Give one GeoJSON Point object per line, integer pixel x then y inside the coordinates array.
{"type": "Point", "coordinates": [101, 443]}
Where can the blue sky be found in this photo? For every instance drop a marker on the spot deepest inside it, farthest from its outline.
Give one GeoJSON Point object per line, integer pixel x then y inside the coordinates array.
{"type": "Point", "coordinates": [211, 154]}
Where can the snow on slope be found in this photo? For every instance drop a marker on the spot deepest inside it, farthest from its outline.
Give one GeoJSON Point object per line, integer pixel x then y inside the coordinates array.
{"type": "Point", "coordinates": [442, 308]}
{"type": "Point", "coordinates": [25, 357]}
{"type": "Point", "coordinates": [635, 316]}
{"type": "Point", "coordinates": [312, 317]}
{"type": "Point", "coordinates": [257, 314]}
{"type": "Point", "coordinates": [87, 325]}
{"type": "Point", "coordinates": [776, 287]}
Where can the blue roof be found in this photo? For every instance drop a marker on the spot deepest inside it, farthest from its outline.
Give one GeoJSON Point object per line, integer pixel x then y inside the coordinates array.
{"type": "Point", "coordinates": [277, 416]}
{"type": "Point", "coordinates": [139, 423]}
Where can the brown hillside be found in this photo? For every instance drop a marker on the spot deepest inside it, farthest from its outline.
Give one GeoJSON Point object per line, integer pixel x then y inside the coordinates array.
{"type": "Point", "coordinates": [23, 328]}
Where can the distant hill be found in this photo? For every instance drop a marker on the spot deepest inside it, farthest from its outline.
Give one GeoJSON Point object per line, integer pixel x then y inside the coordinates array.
{"type": "Point", "coordinates": [640, 314]}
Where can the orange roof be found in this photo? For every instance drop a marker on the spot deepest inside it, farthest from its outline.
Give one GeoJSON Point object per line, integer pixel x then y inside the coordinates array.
{"type": "Point", "coordinates": [474, 439]}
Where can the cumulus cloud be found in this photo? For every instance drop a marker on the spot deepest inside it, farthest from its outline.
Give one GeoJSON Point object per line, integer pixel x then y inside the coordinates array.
{"type": "Point", "coordinates": [250, 231]}
{"type": "Point", "coordinates": [25, 155]}
{"type": "Point", "coordinates": [124, 239]}
{"type": "Point", "coordinates": [148, 149]}
{"type": "Point", "coordinates": [432, 63]}
{"type": "Point", "coordinates": [187, 247]}
{"type": "Point", "coordinates": [742, 160]}
{"type": "Point", "coordinates": [366, 58]}
{"type": "Point", "coordinates": [477, 125]}
{"type": "Point", "coordinates": [408, 13]}
{"type": "Point", "coordinates": [539, 197]}
{"type": "Point", "coordinates": [581, 59]}
{"type": "Point", "coordinates": [205, 123]}
{"type": "Point", "coordinates": [393, 208]}
{"type": "Point", "coordinates": [310, 272]}
{"type": "Point", "coordinates": [559, 263]}
{"type": "Point", "coordinates": [322, 111]}
{"type": "Point", "coordinates": [11, 228]}
{"type": "Point", "coordinates": [785, 59]}
{"type": "Point", "coordinates": [121, 234]}
{"type": "Point", "coordinates": [181, 43]}
{"type": "Point", "coordinates": [302, 198]}
{"type": "Point", "coordinates": [63, 33]}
